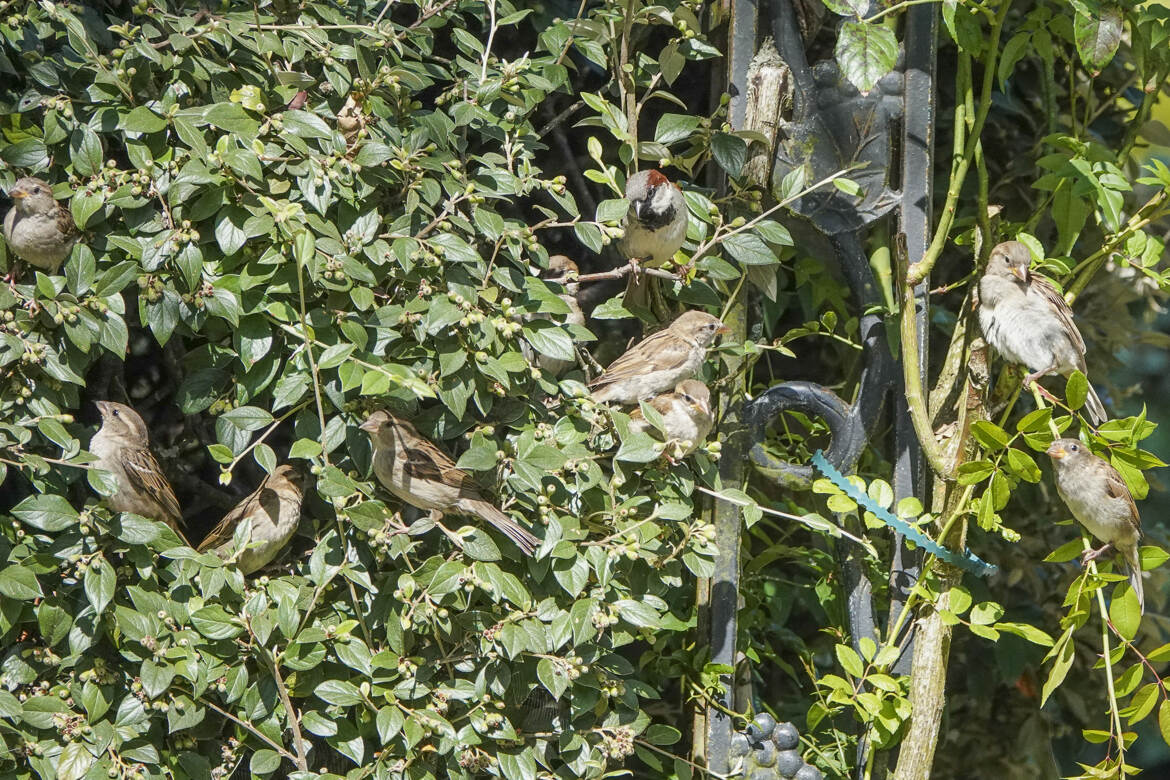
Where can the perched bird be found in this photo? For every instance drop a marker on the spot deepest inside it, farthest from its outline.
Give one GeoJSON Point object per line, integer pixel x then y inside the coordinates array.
{"type": "Point", "coordinates": [686, 415]}
{"type": "Point", "coordinates": [656, 224]}
{"type": "Point", "coordinates": [659, 362]}
{"type": "Point", "coordinates": [1099, 500]}
{"type": "Point", "coordinates": [559, 267]}
{"type": "Point", "coordinates": [274, 509]}
{"type": "Point", "coordinates": [416, 471]}
{"type": "Point", "coordinates": [1028, 321]}
{"type": "Point", "coordinates": [122, 447]}
{"type": "Point", "coordinates": [655, 228]}
{"type": "Point", "coordinates": [38, 228]}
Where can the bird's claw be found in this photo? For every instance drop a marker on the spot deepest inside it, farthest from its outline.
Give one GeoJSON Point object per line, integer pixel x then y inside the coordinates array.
{"type": "Point", "coordinates": [1092, 555]}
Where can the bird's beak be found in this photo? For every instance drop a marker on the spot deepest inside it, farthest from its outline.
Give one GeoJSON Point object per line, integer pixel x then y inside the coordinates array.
{"type": "Point", "coordinates": [638, 206]}
{"type": "Point", "coordinates": [369, 426]}
{"type": "Point", "coordinates": [723, 329]}
{"type": "Point", "coordinates": [102, 407]}
{"type": "Point", "coordinates": [1020, 273]}
{"type": "Point", "coordinates": [17, 194]}
{"type": "Point", "coordinates": [1056, 452]}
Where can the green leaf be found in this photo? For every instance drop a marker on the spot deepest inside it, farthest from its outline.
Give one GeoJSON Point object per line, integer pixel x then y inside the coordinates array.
{"type": "Point", "coordinates": [550, 339]}
{"type": "Point", "coordinates": [1077, 390]}
{"type": "Point", "coordinates": [866, 53]}
{"type": "Point", "coordinates": [730, 152]}
{"type": "Point", "coordinates": [17, 582]}
{"type": "Point", "coordinates": [675, 127]}
{"type": "Point", "coordinates": [749, 249]}
{"type": "Point", "coordinates": [1164, 720]}
{"type": "Point", "coordinates": [48, 512]}
{"type": "Point", "coordinates": [74, 761]}
{"type": "Point", "coordinates": [1098, 33]}
{"type": "Point", "coordinates": [850, 661]}
{"type": "Point", "coordinates": [1125, 613]}
{"type": "Point", "coordinates": [1062, 656]}
{"type": "Point", "coordinates": [99, 584]}
{"type": "Point", "coordinates": [552, 675]}
{"type": "Point", "coordinates": [232, 118]}
{"type": "Point", "coordinates": [613, 210]}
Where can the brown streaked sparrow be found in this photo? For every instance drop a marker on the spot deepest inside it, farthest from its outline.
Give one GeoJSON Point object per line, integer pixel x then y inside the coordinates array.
{"type": "Point", "coordinates": [1100, 501]}
{"type": "Point", "coordinates": [419, 473]}
{"type": "Point", "coordinates": [686, 415]}
{"type": "Point", "coordinates": [1028, 321]}
{"type": "Point", "coordinates": [559, 267]}
{"type": "Point", "coordinates": [274, 510]}
{"type": "Point", "coordinates": [659, 362]}
{"type": "Point", "coordinates": [122, 447]}
{"type": "Point", "coordinates": [38, 228]}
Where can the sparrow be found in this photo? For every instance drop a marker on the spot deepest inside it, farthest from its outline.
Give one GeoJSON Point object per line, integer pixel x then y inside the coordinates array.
{"type": "Point", "coordinates": [274, 509]}
{"type": "Point", "coordinates": [686, 415]}
{"type": "Point", "coordinates": [1027, 320]}
{"type": "Point", "coordinates": [659, 362]}
{"type": "Point", "coordinates": [1099, 500]}
{"type": "Point", "coordinates": [122, 447]}
{"type": "Point", "coordinates": [559, 267]}
{"type": "Point", "coordinates": [38, 228]}
{"type": "Point", "coordinates": [419, 473]}
{"type": "Point", "coordinates": [655, 228]}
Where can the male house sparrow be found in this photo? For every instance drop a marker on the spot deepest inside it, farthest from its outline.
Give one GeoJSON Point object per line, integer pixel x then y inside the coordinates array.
{"type": "Point", "coordinates": [274, 509]}
{"type": "Point", "coordinates": [559, 267]}
{"type": "Point", "coordinates": [1028, 321]}
{"type": "Point", "coordinates": [656, 224]}
{"type": "Point", "coordinates": [1099, 500]}
{"type": "Point", "coordinates": [686, 415]}
{"type": "Point", "coordinates": [38, 228]}
{"type": "Point", "coordinates": [659, 362]}
{"type": "Point", "coordinates": [416, 471]}
{"type": "Point", "coordinates": [655, 228]}
{"type": "Point", "coordinates": [122, 447]}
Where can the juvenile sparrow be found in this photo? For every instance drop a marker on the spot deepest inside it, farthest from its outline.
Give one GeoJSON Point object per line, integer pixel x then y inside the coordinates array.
{"type": "Point", "coordinates": [655, 228]}
{"type": "Point", "coordinates": [559, 267]}
{"type": "Point", "coordinates": [659, 362]}
{"type": "Point", "coordinates": [416, 471]}
{"type": "Point", "coordinates": [1099, 500]}
{"type": "Point", "coordinates": [122, 447]}
{"type": "Point", "coordinates": [274, 509]}
{"type": "Point", "coordinates": [38, 228]}
{"type": "Point", "coordinates": [686, 415]}
{"type": "Point", "coordinates": [1028, 322]}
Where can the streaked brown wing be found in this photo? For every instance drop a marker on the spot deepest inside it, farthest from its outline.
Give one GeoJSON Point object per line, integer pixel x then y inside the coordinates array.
{"type": "Point", "coordinates": [65, 221]}
{"type": "Point", "coordinates": [1045, 288]}
{"type": "Point", "coordinates": [226, 528]}
{"type": "Point", "coordinates": [143, 470]}
{"type": "Point", "coordinates": [1115, 487]}
{"type": "Point", "coordinates": [662, 351]}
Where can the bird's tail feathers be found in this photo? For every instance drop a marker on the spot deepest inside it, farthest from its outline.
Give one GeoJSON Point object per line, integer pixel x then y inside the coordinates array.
{"type": "Point", "coordinates": [506, 525]}
{"type": "Point", "coordinates": [1095, 408]}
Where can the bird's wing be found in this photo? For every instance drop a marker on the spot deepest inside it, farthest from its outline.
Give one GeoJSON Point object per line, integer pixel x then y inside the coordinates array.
{"type": "Point", "coordinates": [65, 222]}
{"type": "Point", "coordinates": [143, 470]}
{"type": "Point", "coordinates": [226, 528]}
{"type": "Point", "coordinates": [1056, 300]}
{"type": "Point", "coordinates": [427, 463]}
{"type": "Point", "coordinates": [662, 351]}
{"type": "Point", "coordinates": [1115, 488]}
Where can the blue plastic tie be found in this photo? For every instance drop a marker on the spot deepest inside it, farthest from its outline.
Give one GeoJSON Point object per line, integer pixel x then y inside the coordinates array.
{"type": "Point", "coordinates": [968, 561]}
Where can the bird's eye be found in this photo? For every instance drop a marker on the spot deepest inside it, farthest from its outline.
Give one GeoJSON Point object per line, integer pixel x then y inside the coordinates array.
{"type": "Point", "coordinates": [1075, 448]}
{"type": "Point", "coordinates": [116, 413]}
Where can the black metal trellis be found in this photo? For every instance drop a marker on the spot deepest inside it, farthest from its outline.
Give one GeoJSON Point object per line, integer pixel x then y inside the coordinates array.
{"type": "Point", "coordinates": [833, 127]}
